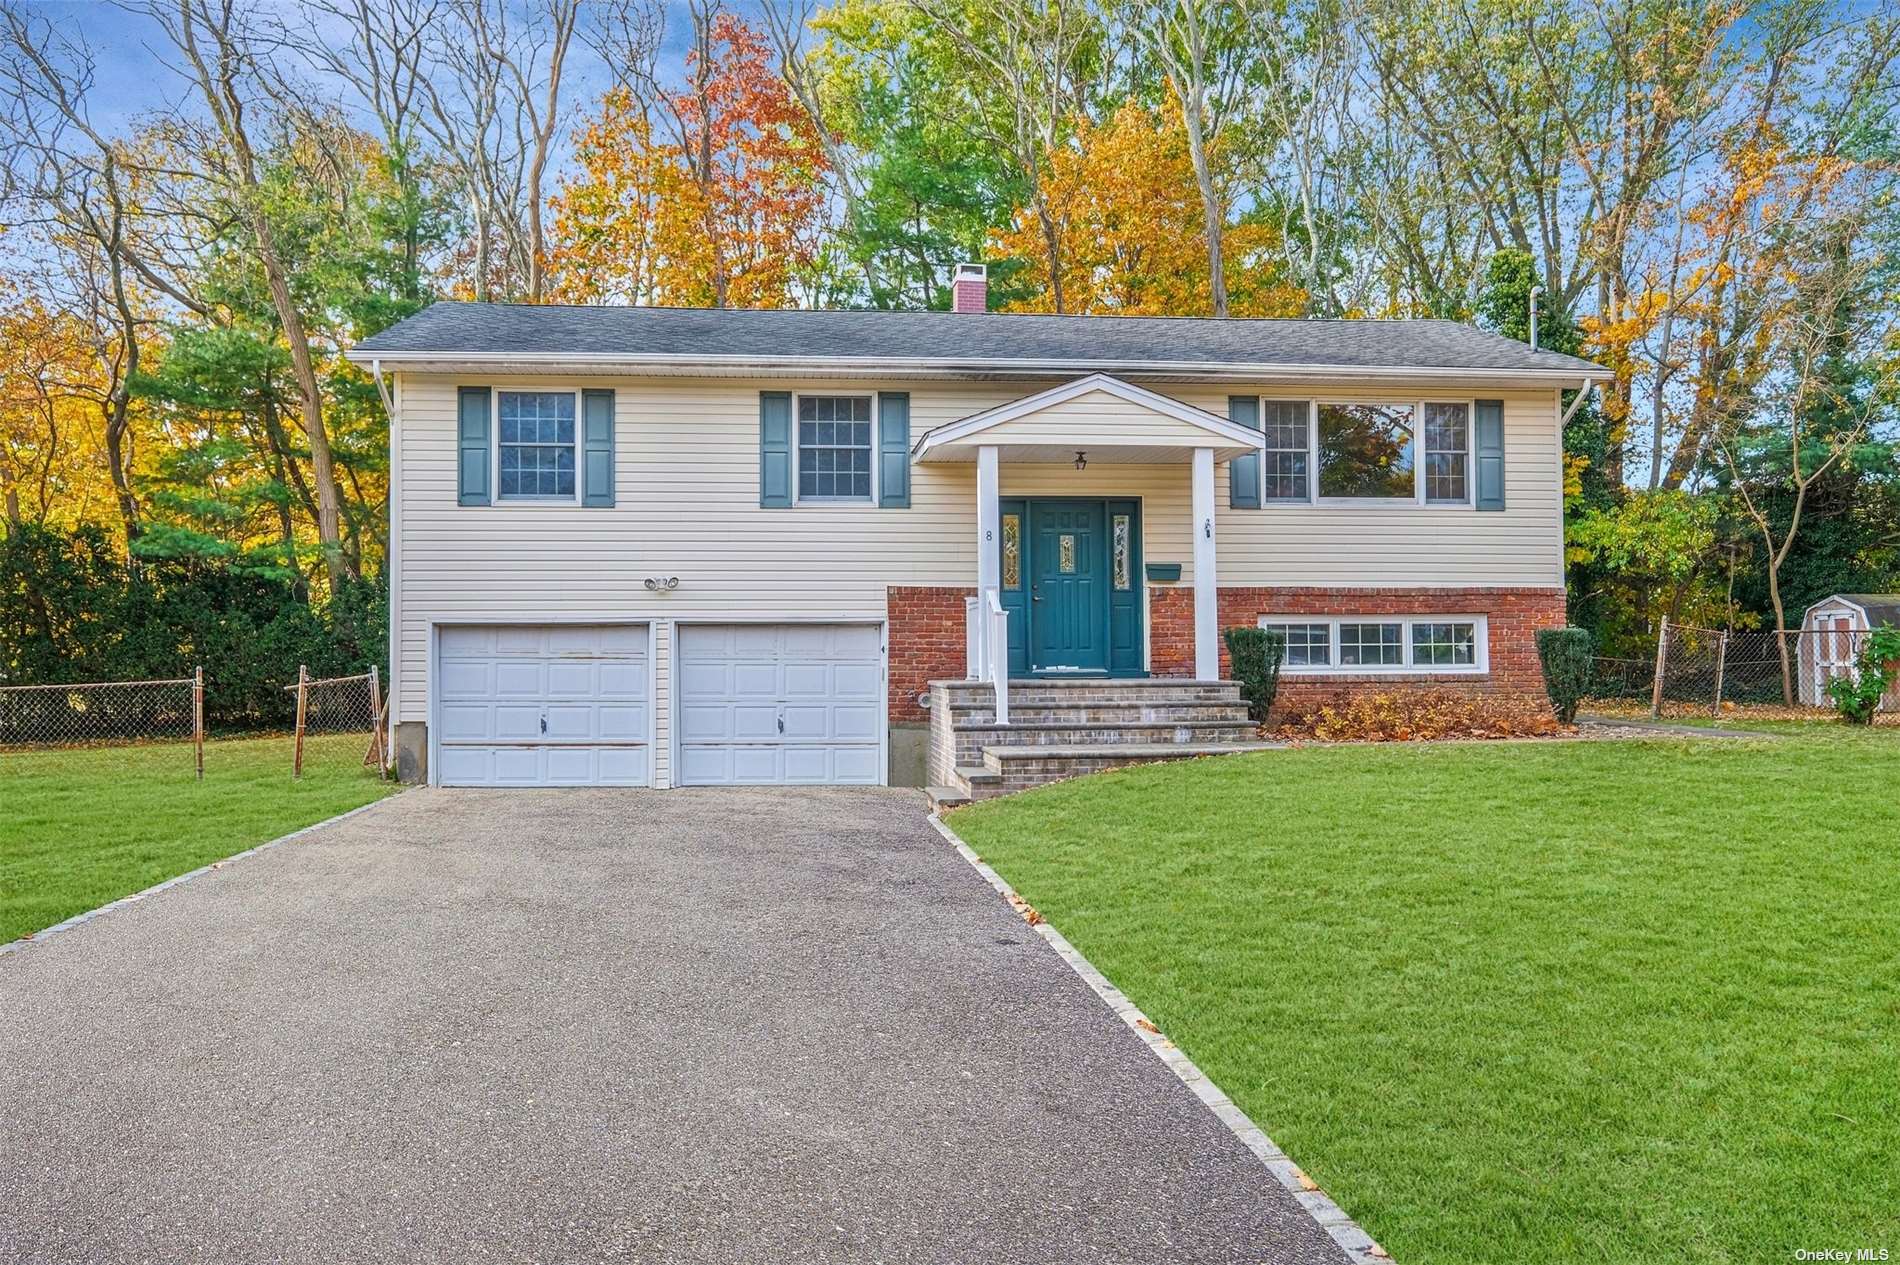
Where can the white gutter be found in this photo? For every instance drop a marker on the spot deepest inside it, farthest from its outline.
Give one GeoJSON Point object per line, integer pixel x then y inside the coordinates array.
{"type": "Point", "coordinates": [573, 362]}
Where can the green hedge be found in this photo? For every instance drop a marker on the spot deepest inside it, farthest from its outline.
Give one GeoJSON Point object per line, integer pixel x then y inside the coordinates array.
{"type": "Point", "coordinates": [73, 609]}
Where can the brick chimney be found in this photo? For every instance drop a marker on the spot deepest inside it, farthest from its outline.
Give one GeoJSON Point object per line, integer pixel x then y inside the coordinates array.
{"type": "Point", "coordinates": [970, 290]}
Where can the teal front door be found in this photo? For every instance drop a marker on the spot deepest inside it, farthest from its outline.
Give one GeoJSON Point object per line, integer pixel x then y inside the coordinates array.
{"type": "Point", "coordinates": [1068, 586]}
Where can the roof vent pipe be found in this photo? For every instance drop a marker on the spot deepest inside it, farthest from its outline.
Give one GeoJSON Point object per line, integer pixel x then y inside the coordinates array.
{"type": "Point", "coordinates": [970, 289]}
{"type": "Point", "coordinates": [1535, 291]}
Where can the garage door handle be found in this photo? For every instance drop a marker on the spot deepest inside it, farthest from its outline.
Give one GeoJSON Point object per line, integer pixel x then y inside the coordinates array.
{"type": "Point", "coordinates": [544, 724]}
{"type": "Point", "coordinates": [781, 722]}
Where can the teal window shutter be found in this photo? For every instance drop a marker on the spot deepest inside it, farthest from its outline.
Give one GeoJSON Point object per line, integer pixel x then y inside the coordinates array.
{"type": "Point", "coordinates": [1490, 452]}
{"type": "Point", "coordinates": [597, 448]}
{"type": "Point", "coordinates": [775, 449]}
{"type": "Point", "coordinates": [472, 445]}
{"type": "Point", "coordinates": [893, 450]}
{"type": "Point", "coordinates": [1243, 473]}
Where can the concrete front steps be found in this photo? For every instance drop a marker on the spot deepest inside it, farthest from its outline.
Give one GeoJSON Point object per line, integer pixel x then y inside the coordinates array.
{"type": "Point", "coordinates": [1072, 726]}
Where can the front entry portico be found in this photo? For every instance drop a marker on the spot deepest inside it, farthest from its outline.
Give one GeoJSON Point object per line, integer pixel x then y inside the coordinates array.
{"type": "Point", "coordinates": [1060, 616]}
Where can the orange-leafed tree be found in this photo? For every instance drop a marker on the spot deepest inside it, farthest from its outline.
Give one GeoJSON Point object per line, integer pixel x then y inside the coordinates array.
{"type": "Point", "coordinates": [709, 195]}
{"type": "Point", "coordinates": [606, 222]}
{"type": "Point", "coordinates": [1127, 214]}
{"type": "Point", "coordinates": [747, 217]}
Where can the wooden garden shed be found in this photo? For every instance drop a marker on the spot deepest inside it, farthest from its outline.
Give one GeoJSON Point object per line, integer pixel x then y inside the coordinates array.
{"type": "Point", "coordinates": [1832, 632]}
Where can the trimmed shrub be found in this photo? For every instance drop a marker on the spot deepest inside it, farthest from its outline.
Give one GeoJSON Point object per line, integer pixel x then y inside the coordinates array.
{"type": "Point", "coordinates": [1421, 714]}
{"type": "Point", "coordinates": [1857, 697]}
{"type": "Point", "coordinates": [1257, 654]}
{"type": "Point", "coordinates": [1569, 659]}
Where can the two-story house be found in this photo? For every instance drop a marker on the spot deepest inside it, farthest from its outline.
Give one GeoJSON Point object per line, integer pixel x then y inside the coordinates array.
{"type": "Point", "coordinates": [670, 547]}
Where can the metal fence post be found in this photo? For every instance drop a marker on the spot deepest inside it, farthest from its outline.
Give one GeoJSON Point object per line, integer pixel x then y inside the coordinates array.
{"type": "Point", "coordinates": [1721, 663]}
{"type": "Point", "coordinates": [198, 717]}
{"type": "Point", "coordinates": [303, 694]}
{"type": "Point", "coordinates": [1662, 665]}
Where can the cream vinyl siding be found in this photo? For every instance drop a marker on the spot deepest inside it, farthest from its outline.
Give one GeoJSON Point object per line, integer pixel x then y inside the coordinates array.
{"type": "Point", "coordinates": [686, 457]}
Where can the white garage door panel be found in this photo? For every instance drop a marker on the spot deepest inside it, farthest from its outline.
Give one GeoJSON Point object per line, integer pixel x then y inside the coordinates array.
{"type": "Point", "coordinates": [780, 703]}
{"type": "Point", "coordinates": [544, 705]}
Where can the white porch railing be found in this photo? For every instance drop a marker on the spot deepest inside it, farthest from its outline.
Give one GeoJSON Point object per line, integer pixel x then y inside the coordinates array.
{"type": "Point", "coordinates": [986, 646]}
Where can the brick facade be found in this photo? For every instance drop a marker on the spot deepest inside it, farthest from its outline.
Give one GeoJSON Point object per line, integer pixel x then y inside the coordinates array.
{"type": "Point", "coordinates": [1513, 616]}
{"type": "Point", "coordinates": [926, 644]}
{"type": "Point", "coordinates": [926, 635]}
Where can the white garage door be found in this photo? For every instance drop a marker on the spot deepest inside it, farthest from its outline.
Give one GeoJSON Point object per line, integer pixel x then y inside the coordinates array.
{"type": "Point", "coordinates": [763, 703]}
{"type": "Point", "coordinates": [544, 705]}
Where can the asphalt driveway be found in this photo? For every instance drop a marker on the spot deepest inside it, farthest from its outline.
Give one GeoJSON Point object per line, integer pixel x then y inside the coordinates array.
{"type": "Point", "coordinates": [759, 1026]}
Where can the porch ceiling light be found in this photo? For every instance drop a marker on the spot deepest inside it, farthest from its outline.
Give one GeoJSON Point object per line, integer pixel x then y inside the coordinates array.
{"type": "Point", "coordinates": [1081, 460]}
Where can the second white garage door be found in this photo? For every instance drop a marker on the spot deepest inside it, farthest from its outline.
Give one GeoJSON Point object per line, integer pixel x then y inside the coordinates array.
{"type": "Point", "coordinates": [775, 703]}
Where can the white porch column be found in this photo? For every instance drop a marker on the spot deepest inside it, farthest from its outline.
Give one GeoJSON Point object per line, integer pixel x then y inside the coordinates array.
{"type": "Point", "coordinates": [989, 555]}
{"type": "Point", "coordinates": [989, 558]}
{"type": "Point", "coordinates": [1206, 599]}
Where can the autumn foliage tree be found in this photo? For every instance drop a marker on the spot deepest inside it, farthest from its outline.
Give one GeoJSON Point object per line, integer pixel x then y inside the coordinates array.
{"type": "Point", "coordinates": [724, 213]}
{"type": "Point", "coordinates": [1127, 213]}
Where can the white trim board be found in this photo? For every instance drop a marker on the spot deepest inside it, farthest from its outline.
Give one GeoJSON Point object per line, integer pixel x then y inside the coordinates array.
{"type": "Point", "coordinates": [599, 363]}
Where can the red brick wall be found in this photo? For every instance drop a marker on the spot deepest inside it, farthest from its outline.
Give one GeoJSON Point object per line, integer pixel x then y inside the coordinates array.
{"type": "Point", "coordinates": [1514, 616]}
{"type": "Point", "coordinates": [926, 635]}
{"type": "Point", "coordinates": [1171, 631]}
{"type": "Point", "coordinates": [926, 644]}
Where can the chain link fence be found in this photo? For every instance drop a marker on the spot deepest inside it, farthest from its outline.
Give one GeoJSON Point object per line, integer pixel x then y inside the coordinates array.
{"type": "Point", "coordinates": [334, 710]}
{"type": "Point", "coordinates": [99, 713]}
{"type": "Point", "coordinates": [1702, 671]}
{"type": "Point", "coordinates": [338, 719]}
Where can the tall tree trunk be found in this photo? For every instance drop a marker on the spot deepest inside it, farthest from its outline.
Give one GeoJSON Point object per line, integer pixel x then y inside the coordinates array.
{"type": "Point", "coordinates": [219, 83]}
{"type": "Point", "coordinates": [322, 465]}
{"type": "Point", "coordinates": [1213, 219]}
{"type": "Point", "coordinates": [1052, 240]}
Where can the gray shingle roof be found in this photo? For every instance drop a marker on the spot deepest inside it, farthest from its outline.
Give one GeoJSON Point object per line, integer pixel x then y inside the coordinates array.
{"type": "Point", "coordinates": [495, 329]}
{"type": "Point", "coordinates": [1881, 608]}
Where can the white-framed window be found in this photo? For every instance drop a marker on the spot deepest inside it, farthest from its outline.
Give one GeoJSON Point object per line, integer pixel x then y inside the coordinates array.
{"type": "Point", "coordinates": [537, 449]}
{"type": "Point", "coordinates": [1286, 461]}
{"type": "Point", "coordinates": [1366, 452]}
{"type": "Point", "coordinates": [835, 448]}
{"type": "Point", "coordinates": [1447, 469]}
{"type": "Point", "coordinates": [1352, 644]}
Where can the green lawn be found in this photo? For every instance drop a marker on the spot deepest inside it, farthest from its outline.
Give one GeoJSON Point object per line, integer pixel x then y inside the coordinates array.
{"type": "Point", "coordinates": [1607, 1001]}
{"type": "Point", "coordinates": [81, 828]}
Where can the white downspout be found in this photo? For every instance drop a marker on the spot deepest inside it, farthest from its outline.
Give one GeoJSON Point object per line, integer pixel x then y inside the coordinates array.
{"type": "Point", "coordinates": [392, 565]}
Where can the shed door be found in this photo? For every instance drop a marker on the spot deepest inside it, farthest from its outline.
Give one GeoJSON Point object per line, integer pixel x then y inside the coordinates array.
{"type": "Point", "coordinates": [543, 705]}
{"type": "Point", "coordinates": [777, 703]}
{"type": "Point", "coordinates": [1835, 650]}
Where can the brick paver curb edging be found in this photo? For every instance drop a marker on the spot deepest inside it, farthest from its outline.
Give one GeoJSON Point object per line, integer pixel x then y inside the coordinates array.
{"type": "Point", "coordinates": [32, 937]}
{"type": "Point", "coordinates": [1357, 1244]}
